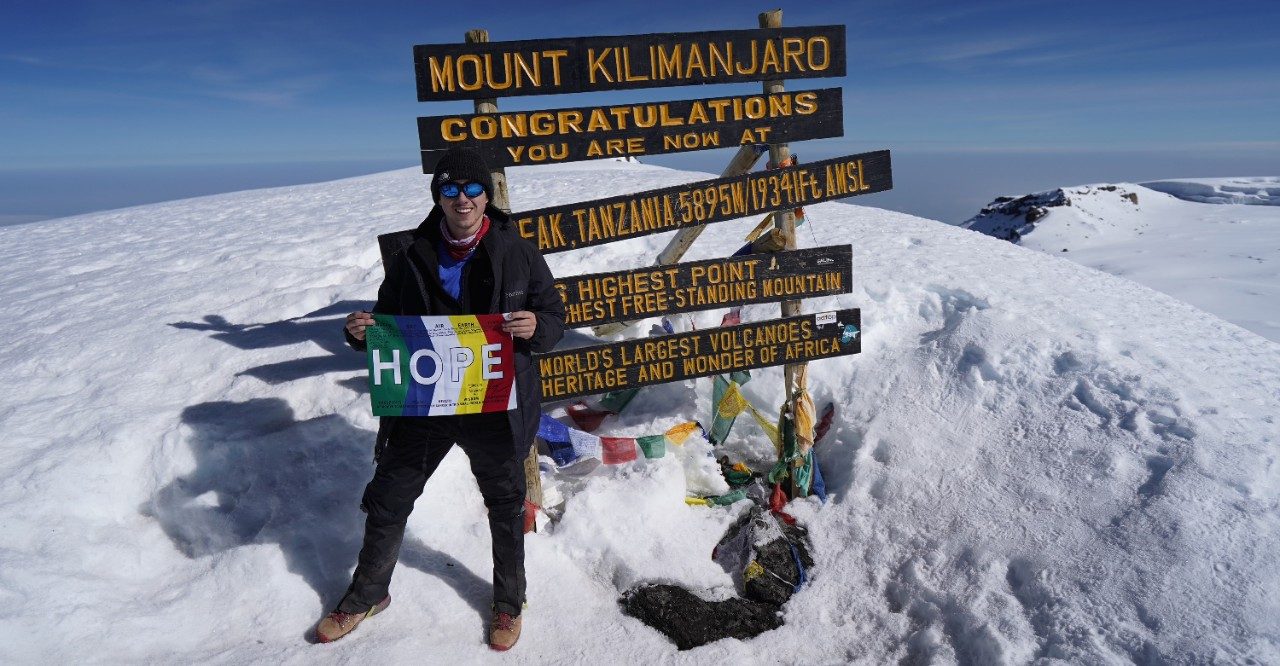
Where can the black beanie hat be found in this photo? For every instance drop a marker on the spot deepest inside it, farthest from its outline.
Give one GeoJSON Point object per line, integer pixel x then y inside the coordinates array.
{"type": "Point", "coordinates": [462, 164]}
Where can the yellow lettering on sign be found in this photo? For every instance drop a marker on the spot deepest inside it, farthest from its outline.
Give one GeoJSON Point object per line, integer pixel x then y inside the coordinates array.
{"type": "Point", "coordinates": [441, 73]}
{"type": "Point", "coordinates": [447, 129]}
{"type": "Point", "coordinates": [484, 127]}
{"type": "Point", "coordinates": [695, 61]}
{"type": "Point", "coordinates": [806, 103]}
{"type": "Point", "coordinates": [506, 70]}
{"type": "Point", "coordinates": [569, 120]}
{"type": "Point", "coordinates": [650, 117]}
{"type": "Point", "coordinates": [792, 49]}
{"type": "Point", "coordinates": [750, 135]}
{"type": "Point", "coordinates": [514, 125]}
{"type": "Point", "coordinates": [697, 113]}
{"type": "Point", "coordinates": [770, 60]}
{"type": "Point", "coordinates": [549, 228]}
{"type": "Point", "coordinates": [626, 67]}
{"type": "Point", "coordinates": [596, 64]}
{"type": "Point", "coordinates": [524, 226]}
{"type": "Point", "coordinates": [719, 106]}
{"type": "Point", "coordinates": [665, 119]}
{"type": "Point", "coordinates": [620, 115]}
{"type": "Point", "coordinates": [527, 70]}
{"type": "Point", "coordinates": [542, 123]}
{"type": "Point", "coordinates": [477, 68]}
{"type": "Point", "coordinates": [754, 61]}
{"type": "Point", "coordinates": [598, 121]}
{"type": "Point", "coordinates": [826, 53]}
{"type": "Point", "coordinates": [555, 57]}
{"type": "Point", "coordinates": [779, 105]}
{"type": "Point", "coordinates": [717, 57]}
{"type": "Point", "coordinates": [667, 65]}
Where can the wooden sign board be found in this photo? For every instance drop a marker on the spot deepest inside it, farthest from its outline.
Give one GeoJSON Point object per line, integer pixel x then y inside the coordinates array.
{"type": "Point", "coordinates": [561, 228]}
{"type": "Point", "coordinates": [621, 62]}
{"type": "Point", "coordinates": [601, 298]}
{"type": "Point", "coordinates": [588, 133]}
{"type": "Point", "coordinates": [634, 363]}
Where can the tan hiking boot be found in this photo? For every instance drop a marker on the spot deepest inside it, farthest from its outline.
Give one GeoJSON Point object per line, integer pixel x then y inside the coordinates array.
{"type": "Point", "coordinates": [504, 631]}
{"type": "Point", "coordinates": [335, 625]}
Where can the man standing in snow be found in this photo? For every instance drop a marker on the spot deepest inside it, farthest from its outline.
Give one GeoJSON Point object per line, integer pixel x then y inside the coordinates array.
{"type": "Point", "coordinates": [465, 259]}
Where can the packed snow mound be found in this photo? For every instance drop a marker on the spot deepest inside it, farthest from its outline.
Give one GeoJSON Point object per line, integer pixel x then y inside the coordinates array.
{"type": "Point", "coordinates": [1031, 460]}
{"type": "Point", "coordinates": [1258, 191]}
{"type": "Point", "coordinates": [1098, 210]}
{"type": "Point", "coordinates": [1223, 259]}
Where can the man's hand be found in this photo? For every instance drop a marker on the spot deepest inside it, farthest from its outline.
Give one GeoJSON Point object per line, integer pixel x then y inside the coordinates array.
{"type": "Point", "coordinates": [357, 322]}
{"type": "Point", "coordinates": [520, 324]}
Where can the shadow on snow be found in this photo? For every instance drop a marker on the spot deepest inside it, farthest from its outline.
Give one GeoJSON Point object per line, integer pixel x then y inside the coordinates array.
{"type": "Point", "coordinates": [263, 477]}
{"type": "Point", "coordinates": [322, 327]}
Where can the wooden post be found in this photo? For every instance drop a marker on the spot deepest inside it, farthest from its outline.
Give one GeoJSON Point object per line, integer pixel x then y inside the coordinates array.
{"type": "Point", "coordinates": [501, 199]}
{"type": "Point", "coordinates": [785, 221]}
{"type": "Point", "coordinates": [742, 162]}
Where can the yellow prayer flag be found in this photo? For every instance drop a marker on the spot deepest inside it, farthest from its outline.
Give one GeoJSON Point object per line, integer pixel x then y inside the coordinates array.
{"type": "Point", "coordinates": [770, 429]}
{"type": "Point", "coordinates": [732, 403]}
{"type": "Point", "coordinates": [678, 434]}
{"type": "Point", "coordinates": [806, 415]}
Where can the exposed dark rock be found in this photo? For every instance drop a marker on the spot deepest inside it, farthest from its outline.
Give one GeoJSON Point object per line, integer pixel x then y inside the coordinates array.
{"type": "Point", "coordinates": [690, 621]}
{"type": "Point", "coordinates": [760, 552]}
{"type": "Point", "coordinates": [1011, 218]}
{"type": "Point", "coordinates": [1131, 196]}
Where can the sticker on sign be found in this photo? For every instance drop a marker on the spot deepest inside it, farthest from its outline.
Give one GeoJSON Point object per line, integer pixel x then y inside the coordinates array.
{"type": "Point", "coordinates": [823, 318]}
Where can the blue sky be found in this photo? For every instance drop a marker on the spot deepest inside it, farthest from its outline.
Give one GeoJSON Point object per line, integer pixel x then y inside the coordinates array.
{"type": "Point", "coordinates": [145, 83]}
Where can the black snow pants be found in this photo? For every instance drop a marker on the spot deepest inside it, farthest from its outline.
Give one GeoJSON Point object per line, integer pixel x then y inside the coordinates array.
{"type": "Point", "coordinates": [416, 447]}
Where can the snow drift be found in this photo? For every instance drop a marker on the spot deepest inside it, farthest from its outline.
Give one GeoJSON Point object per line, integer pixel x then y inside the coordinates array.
{"type": "Point", "coordinates": [1032, 459]}
{"type": "Point", "coordinates": [1259, 191]}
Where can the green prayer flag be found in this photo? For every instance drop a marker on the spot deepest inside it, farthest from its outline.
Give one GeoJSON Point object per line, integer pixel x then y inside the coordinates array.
{"type": "Point", "coordinates": [653, 446]}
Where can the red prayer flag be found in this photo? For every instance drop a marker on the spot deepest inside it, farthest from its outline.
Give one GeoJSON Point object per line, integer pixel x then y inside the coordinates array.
{"type": "Point", "coordinates": [824, 423]}
{"type": "Point", "coordinates": [530, 516]}
{"type": "Point", "coordinates": [586, 418]}
{"type": "Point", "coordinates": [777, 504]}
{"type": "Point", "coordinates": [618, 449]}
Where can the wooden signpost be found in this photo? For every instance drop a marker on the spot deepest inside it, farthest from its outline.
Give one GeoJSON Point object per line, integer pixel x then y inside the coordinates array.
{"type": "Point", "coordinates": [579, 225]}
{"type": "Point", "coordinates": [622, 62]}
{"type": "Point", "coordinates": [587, 133]}
{"type": "Point", "coordinates": [601, 298]}
{"type": "Point", "coordinates": [484, 71]}
{"type": "Point", "coordinates": [571, 373]}
{"type": "Point", "coordinates": [573, 226]}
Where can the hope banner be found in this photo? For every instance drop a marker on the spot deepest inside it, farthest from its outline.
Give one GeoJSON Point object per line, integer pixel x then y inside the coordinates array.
{"type": "Point", "coordinates": [436, 366]}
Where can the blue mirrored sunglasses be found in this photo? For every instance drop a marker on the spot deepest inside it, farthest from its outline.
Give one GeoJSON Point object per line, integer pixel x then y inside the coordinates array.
{"type": "Point", "coordinates": [451, 190]}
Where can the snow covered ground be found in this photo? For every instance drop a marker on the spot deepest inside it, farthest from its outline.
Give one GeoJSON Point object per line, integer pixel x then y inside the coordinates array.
{"type": "Point", "coordinates": [1032, 460]}
{"type": "Point", "coordinates": [1199, 241]}
{"type": "Point", "coordinates": [1260, 191]}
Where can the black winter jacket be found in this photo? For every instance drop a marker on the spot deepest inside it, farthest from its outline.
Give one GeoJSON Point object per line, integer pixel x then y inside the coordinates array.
{"type": "Point", "coordinates": [505, 274]}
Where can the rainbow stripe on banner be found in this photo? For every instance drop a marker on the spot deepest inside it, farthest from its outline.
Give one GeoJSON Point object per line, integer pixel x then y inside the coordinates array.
{"type": "Point", "coordinates": [437, 366]}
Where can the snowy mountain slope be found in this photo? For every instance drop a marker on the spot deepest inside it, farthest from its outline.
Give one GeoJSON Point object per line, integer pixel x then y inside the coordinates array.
{"type": "Point", "coordinates": [1032, 460]}
{"type": "Point", "coordinates": [1222, 258]}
